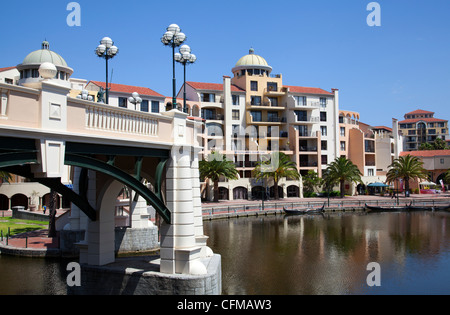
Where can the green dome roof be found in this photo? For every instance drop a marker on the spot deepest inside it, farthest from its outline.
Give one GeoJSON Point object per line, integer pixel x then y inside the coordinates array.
{"type": "Point", "coordinates": [45, 55]}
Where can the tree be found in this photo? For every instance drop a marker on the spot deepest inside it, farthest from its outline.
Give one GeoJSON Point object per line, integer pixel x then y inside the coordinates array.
{"type": "Point", "coordinates": [5, 177]}
{"type": "Point", "coordinates": [342, 170]}
{"type": "Point", "coordinates": [215, 167]}
{"type": "Point", "coordinates": [311, 181]}
{"type": "Point", "coordinates": [438, 144]}
{"type": "Point", "coordinates": [406, 167]}
{"type": "Point", "coordinates": [279, 166]}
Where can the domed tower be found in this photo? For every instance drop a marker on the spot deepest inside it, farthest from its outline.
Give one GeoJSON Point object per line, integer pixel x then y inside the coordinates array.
{"type": "Point", "coordinates": [252, 64]}
{"type": "Point", "coordinates": [30, 75]}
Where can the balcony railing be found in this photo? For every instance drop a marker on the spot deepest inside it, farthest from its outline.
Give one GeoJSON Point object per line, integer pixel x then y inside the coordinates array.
{"type": "Point", "coordinates": [213, 117]}
{"type": "Point", "coordinates": [308, 149]}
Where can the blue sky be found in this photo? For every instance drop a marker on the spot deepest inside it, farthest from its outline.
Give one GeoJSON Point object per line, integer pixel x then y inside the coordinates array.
{"type": "Point", "coordinates": [381, 72]}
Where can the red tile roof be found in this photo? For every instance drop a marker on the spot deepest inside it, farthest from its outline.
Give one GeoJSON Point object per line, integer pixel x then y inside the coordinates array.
{"type": "Point", "coordinates": [427, 120]}
{"type": "Point", "coordinates": [429, 153]}
{"type": "Point", "coordinates": [7, 68]}
{"type": "Point", "coordinates": [383, 127]}
{"type": "Point", "coordinates": [307, 90]}
{"type": "Point", "coordinates": [128, 89]}
{"type": "Point", "coordinates": [212, 86]}
{"type": "Point", "coordinates": [419, 111]}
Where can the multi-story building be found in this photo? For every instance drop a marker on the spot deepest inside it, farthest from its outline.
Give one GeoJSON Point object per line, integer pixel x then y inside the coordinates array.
{"type": "Point", "coordinates": [254, 113]}
{"type": "Point", "coordinates": [371, 149]}
{"type": "Point", "coordinates": [420, 126]}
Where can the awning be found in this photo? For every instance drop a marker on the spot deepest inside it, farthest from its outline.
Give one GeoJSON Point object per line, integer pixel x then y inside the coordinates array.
{"type": "Point", "coordinates": [428, 184]}
{"type": "Point", "coordinates": [378, 185]}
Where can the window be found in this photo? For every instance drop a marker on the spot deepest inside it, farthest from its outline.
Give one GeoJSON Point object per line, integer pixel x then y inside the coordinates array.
{"type": "Point", "coordinates": [235, 114]}
{"type": "Point", "coordinates": [442, 161]}
{"type": "Point", "coordinates": [370, 172]}
{"type": "Point", "coordinates": [272, 117]}
{"type": "Point", "coordinates": [9, 81]}
{"type": "Point", "coordinates": [324, 145]}
{"type": "Point", "coordinates": [302, 115]}
{"type": "Point", "coordinates": [254, 85]}
{"type": "Point", "coordinates": [323, 116]}
{"type": "Point", "coordinates": [302, 131]}
{"type": "Point", "coordinates": [342, 131]}
{"type": "Point", "coordinates": [256, 115]}
{"type": "Point", "coordinates": [155, 107]}
{"type": "Point", "coordinates": [123, 102]}
{"type": "Point", "coordinates": [300, 100]}
{"type": "Point", "coordinates": [324, 159]}
{"type": "Point", "coordinates": [342, 145]}
{"type": "Point", "coordinates": [323, 102]}
{"type": "Point", "coordinates": [235, 99]}
{"type": "Point", "coordinates": [144, 106]}
{"type": "Point", "coordinates": [208, 97]}
{"type": "Point", "coordinates": [273, 101]}
{"type": "Point", "coordinates": [256, 100]}
{"type": "Point", "coordinates": [272, 86]}
{"type": "Point", "coordinates": [323, 130]}
{"type": "Point", "coordinates": [370, 146]}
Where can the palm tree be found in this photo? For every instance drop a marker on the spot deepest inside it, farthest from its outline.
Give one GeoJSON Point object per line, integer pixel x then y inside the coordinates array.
{"type": "Point", "coordinates": [215, 167]}
{"type": "Point", "coordinates": [5, 177]}
{"type": "Point", "coordinates": [342, 170]}
{"type": "Point", "coordinates": [278, 167]}
{"type": "Point", "coordinates": [406, 167]}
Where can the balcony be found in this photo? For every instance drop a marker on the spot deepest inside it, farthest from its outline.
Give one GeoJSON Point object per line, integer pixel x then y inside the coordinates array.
{"type": "Point", "coordinates": [308, 164]}
{"type": "Point", "coordinates": [265, 106]}
{"type": "Point", "coordinates": [272, 91]}
{"type": "Point", "coordinates": [308, 149]}
{"type": "Point", "coordinates": [309, 120]}
{"type": "Point", "coordinates": [213, 117]}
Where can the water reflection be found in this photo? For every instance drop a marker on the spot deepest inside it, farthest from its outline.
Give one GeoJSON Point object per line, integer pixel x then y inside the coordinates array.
{"type": "Point", "coordinates": [330, 254]}
{"type": "Point", "coordinates": [32, 276]}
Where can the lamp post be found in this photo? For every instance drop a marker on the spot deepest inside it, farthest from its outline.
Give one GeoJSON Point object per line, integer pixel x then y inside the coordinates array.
{"type": "Point", "coordinates": [173, 38]}
{"type": "Point", "coordinates": [106, 50]}
{"type": "Point", "coordinates": [185, 57]}
{"type": "Point", "coordinates": [135, 99]}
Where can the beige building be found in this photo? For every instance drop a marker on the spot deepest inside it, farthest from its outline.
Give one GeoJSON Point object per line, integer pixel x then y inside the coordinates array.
{"type": "Point", "coordinates": [254, 113]}
{"type": "Point", "coordinates": [420, 126]}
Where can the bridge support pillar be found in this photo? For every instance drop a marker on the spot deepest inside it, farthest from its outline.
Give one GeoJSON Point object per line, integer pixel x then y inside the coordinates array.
{"type": "Point", "coordinates": [180, 253]}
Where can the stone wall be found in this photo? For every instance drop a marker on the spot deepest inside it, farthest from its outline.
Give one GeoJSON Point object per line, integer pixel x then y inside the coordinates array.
{"type": "Point", "coordinates": [139, 276]}
{"type": "Point", "coordinates": [129, 240]}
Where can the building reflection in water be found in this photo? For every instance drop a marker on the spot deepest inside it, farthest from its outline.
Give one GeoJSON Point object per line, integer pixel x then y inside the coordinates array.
{"type": "Point", "coordinates": [330, 254]}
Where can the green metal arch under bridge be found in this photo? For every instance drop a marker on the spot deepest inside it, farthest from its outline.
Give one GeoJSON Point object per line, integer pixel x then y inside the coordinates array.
{"type": "Point", "coordinates": [17, 155]}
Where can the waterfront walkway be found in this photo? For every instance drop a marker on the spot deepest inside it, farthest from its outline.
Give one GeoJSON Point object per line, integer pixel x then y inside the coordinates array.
{"type": "Point", "coordinates": [37, 243]}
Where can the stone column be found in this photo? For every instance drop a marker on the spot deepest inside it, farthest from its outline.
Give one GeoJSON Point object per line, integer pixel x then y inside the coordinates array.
{"type": "Point", "coordinates": [180, 253]}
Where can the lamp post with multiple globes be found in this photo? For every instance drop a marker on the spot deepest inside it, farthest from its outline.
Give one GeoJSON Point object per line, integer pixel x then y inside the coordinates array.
{"type": "Point", "coordinates": [106, 50]}
{"type": "Point", "coordinates": [185, 57]}
{"type": "Point", "coordinates": [173, 38]}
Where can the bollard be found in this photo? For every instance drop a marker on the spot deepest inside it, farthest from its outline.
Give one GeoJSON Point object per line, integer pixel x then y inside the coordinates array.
{"type": "Point", "coordinates": [26, 242]}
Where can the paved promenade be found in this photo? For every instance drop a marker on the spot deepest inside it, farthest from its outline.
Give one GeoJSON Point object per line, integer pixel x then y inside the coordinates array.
{"type": "Point", "coordinates": [38, 243]}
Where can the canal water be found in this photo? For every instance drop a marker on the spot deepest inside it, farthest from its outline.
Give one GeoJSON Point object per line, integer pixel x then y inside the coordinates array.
{"type": "Point", "coordinates": [294, 255]}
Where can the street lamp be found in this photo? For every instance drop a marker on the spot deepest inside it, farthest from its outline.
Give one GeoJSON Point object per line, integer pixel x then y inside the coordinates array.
{"type": "Point", "coordinates": [185, 57]}
{"type": "Point", "coordinates": [135, 99]}
{"type": "Point", "coordinates": [106, 50]}
{"type": "Point", "coordinates": [173, 38]}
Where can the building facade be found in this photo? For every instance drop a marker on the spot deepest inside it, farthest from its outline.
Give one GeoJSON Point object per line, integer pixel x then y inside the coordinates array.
{"type": "Point", "coordinates": [253, 113]}
{"type": "Point", "coordinates": [420, 126]}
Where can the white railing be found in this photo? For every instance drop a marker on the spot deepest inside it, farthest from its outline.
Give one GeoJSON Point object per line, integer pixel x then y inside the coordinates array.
{"type": "Point", "coordinates": [117, 120]}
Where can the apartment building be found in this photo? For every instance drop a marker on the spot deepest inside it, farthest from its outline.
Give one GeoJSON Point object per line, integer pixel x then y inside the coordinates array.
{"type": "Point", "coordinates": [253, 113]}
{"type": "Point", "coordinates": [420, 126]}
